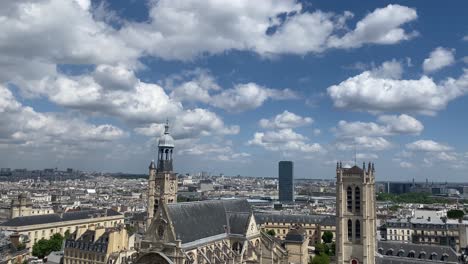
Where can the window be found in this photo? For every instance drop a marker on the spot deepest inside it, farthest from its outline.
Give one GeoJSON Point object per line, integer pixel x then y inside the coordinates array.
{"type": "Point", "coordinates": [357, 199]}
{"type": "Point", "coordinates": [358, 229]}
{"type": "Point", "coordinates": [349, 199]}
{"type": "Point", "coordinates": [350, 230]}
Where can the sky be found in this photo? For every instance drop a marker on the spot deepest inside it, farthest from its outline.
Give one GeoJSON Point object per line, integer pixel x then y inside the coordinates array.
{"type": "Point", "coordinates": [244, 84]}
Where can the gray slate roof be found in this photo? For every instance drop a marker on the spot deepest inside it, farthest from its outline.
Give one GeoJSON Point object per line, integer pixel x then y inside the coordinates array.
{"type": "Point", "coordinates": [354, 170]}
{"type": "Point", "coordinates": [297, 234]}
{"type": "Point", "coordinates": [238, 223]}
{"type": "Point", "coordinates": [197, 220]}
{"type": "Point", "coordinates": [398, 260]}
{"type": "Point", "coordinates": [139, 216]}
{"type": "Point", "coordinates": [54, 218]}
{"type": "Point", "coordinates": [385, 246]}
{"type": "Point", "coordinates": [262, 218]}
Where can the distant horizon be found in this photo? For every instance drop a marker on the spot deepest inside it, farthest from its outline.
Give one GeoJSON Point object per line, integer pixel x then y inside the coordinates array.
{"type": "Point", "coordinates": [241, 86]}
{"type": "Point", "coordinates": [246, 176]}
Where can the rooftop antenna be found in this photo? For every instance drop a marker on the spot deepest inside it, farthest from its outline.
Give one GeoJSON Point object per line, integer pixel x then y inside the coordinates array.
{"type": "Point", "coordinates": [355, 154]}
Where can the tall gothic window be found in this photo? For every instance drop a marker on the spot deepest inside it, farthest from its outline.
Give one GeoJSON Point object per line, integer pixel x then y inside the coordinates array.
{"type": "Point", "coordinates": [358, 229]}
{"type": "Point", "coordinates": [350, 230]}
{"type": "Point", "coordinates": [349, 199]}
{"type": "Point", "coordinates": [357, 199]}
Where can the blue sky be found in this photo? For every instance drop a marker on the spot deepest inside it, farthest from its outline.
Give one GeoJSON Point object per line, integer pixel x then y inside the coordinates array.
{"type": "Point", "coordinates": [244, 84]}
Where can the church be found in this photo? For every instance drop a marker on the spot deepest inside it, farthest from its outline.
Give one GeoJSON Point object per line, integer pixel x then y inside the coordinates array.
{"type": "Point", "coordinates": [216, 231]}
{"type": "Point", "coordinates": [356, 240]}
{"type": "Point", "coordinates": [228, 231]}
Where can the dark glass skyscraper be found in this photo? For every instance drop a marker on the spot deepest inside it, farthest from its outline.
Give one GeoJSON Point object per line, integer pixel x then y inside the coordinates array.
{"type": "Point", "coordinates": [286, 181]}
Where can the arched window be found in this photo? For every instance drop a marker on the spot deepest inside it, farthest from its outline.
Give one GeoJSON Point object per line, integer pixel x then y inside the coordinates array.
{"type": "Point", "coordinates": [357, 199]}
{"type": "Point", "coordinates": [350, 230]}
{"type": "Point", "coordinates": [358, 229]}
{"type": "Point", "coordinates": [349, 199]}
{"type": "Point", "coordinates": [237, 247]}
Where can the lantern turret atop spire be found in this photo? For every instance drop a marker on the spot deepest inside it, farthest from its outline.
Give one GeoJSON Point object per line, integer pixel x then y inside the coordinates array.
{"type": "Point", "coordinates": [165, 149]}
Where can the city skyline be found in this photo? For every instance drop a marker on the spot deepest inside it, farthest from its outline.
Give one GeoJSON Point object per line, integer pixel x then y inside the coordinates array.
{"type": "Point", "coordinates": [92, 86]}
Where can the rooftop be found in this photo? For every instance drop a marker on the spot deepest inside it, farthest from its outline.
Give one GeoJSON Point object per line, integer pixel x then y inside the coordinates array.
{"type": "Point", "coordinates": [55, 218]}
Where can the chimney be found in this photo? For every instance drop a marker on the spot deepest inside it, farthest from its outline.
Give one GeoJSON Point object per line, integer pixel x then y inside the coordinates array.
{"type": "Point", "coordinates": [15, 239]}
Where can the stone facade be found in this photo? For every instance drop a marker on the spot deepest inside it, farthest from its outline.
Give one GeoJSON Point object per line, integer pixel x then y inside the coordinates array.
{"type": "Point", "coordinates": [44, 226]}
{"type": "Point", "coordinates": [99, 245]}
{"type": "Point", "coordinates": [296, 244]}
{"type": "Point", "coordinates": [314, 225]}
{"type": "Point", "coordinates": [356, 217]}
{"type": "Point", "coordinates": [21, 206]}
{"type": "Point", "coordinates": [162, 184]}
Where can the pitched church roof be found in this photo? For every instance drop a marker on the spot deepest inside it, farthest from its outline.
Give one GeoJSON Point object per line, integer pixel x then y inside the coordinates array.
{"type": "Point", "coordinates": [197, 220]}
{"type": "Point", "coordinates": [238, 223]}
{"type": "Point", "coordinates": [353, 170]}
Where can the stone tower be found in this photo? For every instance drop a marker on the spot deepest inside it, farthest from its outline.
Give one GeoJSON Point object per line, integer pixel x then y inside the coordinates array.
{"type": "Point", "coordinates": [355, 214]}
{"type": "Point", "coordinates": [162, 185]}
{"type": "Point", "coordinates": [22, 206]}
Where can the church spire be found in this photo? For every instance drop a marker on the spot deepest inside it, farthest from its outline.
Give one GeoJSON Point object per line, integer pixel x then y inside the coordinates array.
{"type": "Point", "coordinates": [166, 127]}
{"type": "Point", "coordinates": [165, 150]}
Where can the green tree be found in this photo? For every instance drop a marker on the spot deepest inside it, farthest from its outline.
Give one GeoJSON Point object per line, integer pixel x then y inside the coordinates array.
{"type": "Point", "coordinates": [327, 237]}
{"type": "Point", "coordinates": [455, 214]}
{"type": "Point", "coordinates": [271, 232]}
{"type": "Point", "coordinates": [40, 248]}
{"type": "Point", "coordinates": [55, 242]}
{"type": "Point", "coordinates": [130, 229]}
{"type": "Point", "coordinates": [414, 197]}
{"type": "Point", "coordinates": [320, 259]}
{"type": "Point", "coordinates": [43, 247]}
{"type": "Point", "coordinates": [319, 248]}
{"type": "Point", "coordinates": [332, 249]}
{"type": "Point", "coordinates": [67, 234]}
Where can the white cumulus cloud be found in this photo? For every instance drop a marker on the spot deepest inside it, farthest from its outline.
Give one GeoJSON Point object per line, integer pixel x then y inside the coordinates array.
{"type": "Point", "coordinates": [248, 96]}
{"type": "Point", "coordinates": [438, 59]}
{"type": "Point", "coordinates": [427, 146]}
{"type": "Point", "coordinates": [22, 125]}
{"type": "Point", "coordinates": [285, 120]}
{"type": "Point", "coordinates": [257, 26]}
{"type": "Point", "coordinates": [382, 26]}
{"type": "Point", "coordinates": [285, 140]}
{"type": "Point", "coordinates": [366, 92]}
{"type": "Point", "coordinates": [389, 125]}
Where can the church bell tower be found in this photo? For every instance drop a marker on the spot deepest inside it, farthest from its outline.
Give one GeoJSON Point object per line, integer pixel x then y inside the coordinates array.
{"type": "Point", "coordinates": [162, 184]}
{"type": "Point", "coordinates": [355, 214]}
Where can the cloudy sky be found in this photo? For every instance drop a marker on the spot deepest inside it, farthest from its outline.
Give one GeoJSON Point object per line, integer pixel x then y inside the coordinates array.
{"type": "Point", "coordinates": [244, 84]}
